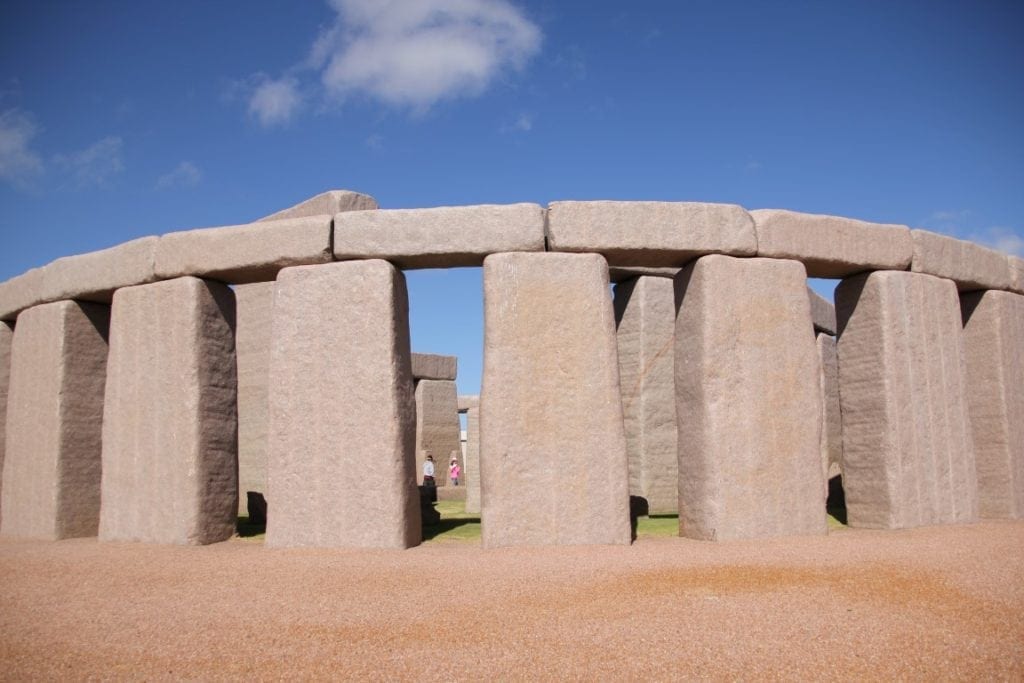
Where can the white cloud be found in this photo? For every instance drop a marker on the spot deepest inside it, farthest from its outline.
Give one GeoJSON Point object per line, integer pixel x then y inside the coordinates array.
{"type": "Point", "coordinates": [414, 53]}
{"type": "Point", "coordinates": [1003, 239]}
{"type": "Point", "coordinates": [95, 165]}
{"type": "Point", "coordinates": [522, 124]}
{"type": "Point", "coordinates": [275, 102]}
{"type": "Point", "coordinates": [19, 164]}
{"type": "Point", "coordinates": [956, 223]}
{"type": "Point", "coordinates": [185, 174]}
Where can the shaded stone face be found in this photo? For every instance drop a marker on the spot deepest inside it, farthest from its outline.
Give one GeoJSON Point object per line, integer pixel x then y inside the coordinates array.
{"type": "Point", "coordinates": [434, 366]}
{"type": "Point", "coordinates": [908, 458]}
{"type": "Point", "coordinates": [971, 266]}
{"type": "Point", "coordinates": [169, 423]}
{"type": "Point", "coordinates": [993, 343]}
{"type": "Point", "coordinates": [437, 427]}
{"type": "Point", "coordinates": [6, 337]}
{"type": "Point", "coordinates": [342, 416]}
{"type": "Point", "coordinates": [552, 451]}
{"type": "Point", "coordinates": [823, 313]}
{"type": "Point", "coordinates": [832, 422]}
{"type": "Point", "coordinates": [254, 306]}
{"type": "Point", "coordinates": [472, 469]}
{"type": "Point", "coordinates": [645, 316]}
{"type": "Point", "coordinates": [747, 401]}
{"type": "Point", "coordinates": [51, 478]}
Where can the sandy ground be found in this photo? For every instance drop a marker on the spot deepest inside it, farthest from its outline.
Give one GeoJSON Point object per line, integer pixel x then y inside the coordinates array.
{"type": "Point", "coordinates": [931, 603]}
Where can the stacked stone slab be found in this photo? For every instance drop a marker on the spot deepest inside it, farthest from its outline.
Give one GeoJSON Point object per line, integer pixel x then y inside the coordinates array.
{"type": "Point", "coordinates": [434, 366]}
{"type": "Point", "coordinates": [169, 422]}
{"type": "Point", "coordinates": [51, 477]}
{"type": "Point", "coordinates": [994, 352]}
{"type": "Point", "coordinates": [342, 416]}
{"type": "Point", "coordinates": [832, 421]}
{"type": "Point", "coordinates": [971, 266]}
{"type": "Point", "coordinates": [552, 449]}
{"type": "Point", "coordinates": [254, 305]}
{"type": "Point", "coordinates": [6, 337]}
{"type": "Point", "coordinates": [908, 458]}
{"type": "Point", "coordinates": [645, 331]}
{"type": "Point", "coordinates": [437, 427]}
{"type": "Point", "coordinates": [747, 401]}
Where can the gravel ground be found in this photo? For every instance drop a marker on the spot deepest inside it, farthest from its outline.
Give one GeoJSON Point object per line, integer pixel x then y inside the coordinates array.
{"type": "Point", "coordinates": [931, 603]}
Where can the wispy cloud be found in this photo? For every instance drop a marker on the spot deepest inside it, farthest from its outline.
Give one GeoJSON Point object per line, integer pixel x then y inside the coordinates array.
{"type": "Point", "coordinates": [96, 165]}
{"type": "Point", "coordinates": [185, 174]}
{"type": "Point", "coordinates": [1001, 238]}
{"type": "Point", "coordinates": [275, 102]}
{"type": "Point", "coordinates": [522, 124]}
{"type": "Point", "coordinates": [962, 223]}
{"type": "Point", "coordinates": [20, 165]}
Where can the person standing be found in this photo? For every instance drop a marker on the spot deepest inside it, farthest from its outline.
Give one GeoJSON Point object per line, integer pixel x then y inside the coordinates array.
{"type": "Point", "coordinates": [428, 471]}
{"type": "Point", "coordinates": [454, 471]}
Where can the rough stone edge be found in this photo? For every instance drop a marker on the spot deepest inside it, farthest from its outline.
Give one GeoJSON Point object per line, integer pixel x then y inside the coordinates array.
{"type": "Point", "coordinates": [330, 202]}
{"type": "Point", "coordinates": [96, 275]}
{"type": "Point", "coordinates": [924, 240]}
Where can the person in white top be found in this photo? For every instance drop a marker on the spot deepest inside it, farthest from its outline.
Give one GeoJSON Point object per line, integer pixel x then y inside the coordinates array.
{"type": "Point", "coordinates": [428, 471]}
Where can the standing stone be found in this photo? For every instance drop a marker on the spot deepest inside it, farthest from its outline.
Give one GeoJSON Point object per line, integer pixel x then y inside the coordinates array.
{"type": "Point", "coordinates": [472, 468]}
{"type": "Point", "coordinates": [252, 343]}
{"type": "Point", "coordinates": [552, 446]}
{"type": "Point", "coordinates": [437, 427]}
{"type": "Point", "coordinates": [51, 472]}
{"type": "Point", "coordinates": [994, 352]}
{"type": "Point", "coordinates": [342, 417]}
{"type": "Point", "coordinates": [832, 421]}
{"type": "Point", "coordinates": [6, 336]}
{"type": "Point", "coordinates": [170, 433]}
{"type": "Point", "coordinates": [747, 401]}
{"type": "Point", "coordinates": [645, 315]}
{"type": "Point", "coordinates": [908, 458]}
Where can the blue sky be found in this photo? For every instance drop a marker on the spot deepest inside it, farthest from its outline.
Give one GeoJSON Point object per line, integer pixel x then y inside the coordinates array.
{"type": "Point", "coordinates": [124, 119]}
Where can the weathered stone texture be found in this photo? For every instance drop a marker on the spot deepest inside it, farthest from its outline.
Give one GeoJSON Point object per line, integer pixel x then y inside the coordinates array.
{"type": "Point", "coordinates": [6, 337]}
{"type": "Point", "coordinates": [443, 237]}
{"type": "Point", "coordinates": [747, 401]}
{"type": "Point", "coordinates": [342, 417]}
{"type": "Point", "coordinates": [472, 468]}
{"type": "Point", "coordinates": [629, 272]}
{"type": "Point", "coordinates": [830, 246]}
{"type": "Point", "coordinates": [21, 292]}
{"type": "Point", "coordinates": [645, 316]}
{"type": "Point", "coordinates": [994, 352]}
{"type": "Point", "coordinates": [553, 450]}
{"type": "Point", "coordinates": [654, 234]}
{"type": "Point", "coordinates": [823, 313]}
{"type": "Point", "coordinates": [434, 366]}
{"type": "Point", "coordinates": [467, 401]}
{"type": "Point", "coordinates": [908, 458]}
{"type": "Point", "coordinates": [242, 254]}
{"type": "Point", "coordinates": [254, 306]}
{"type": "Point", "coordinates": [95, 276]}
{"type": "Point", "coordinates": [832, 420]}
{"type": "Point", "coordinates": [326, 203]}
{"type": "Point", "coordinates": [437, 427]}
{"type": "Point", "coordinates": [971, 266]}
{"type": "Point", "coordinates": [1016, 273]}
{"type": "Point", "coordinates": [170, 431]}
{"type": "Point", "coordinates": [51, 478]}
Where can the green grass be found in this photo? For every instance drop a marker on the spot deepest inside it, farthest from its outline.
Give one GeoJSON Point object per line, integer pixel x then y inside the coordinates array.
{"type": "Point", "coordinates": [456, 524]}
{"type": "Point", "coordinates": [657, 526]}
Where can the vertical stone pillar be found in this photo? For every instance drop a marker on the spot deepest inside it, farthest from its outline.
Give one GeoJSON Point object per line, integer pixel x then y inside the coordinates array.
{"type": "Point", "coordinates": [437, 426]}
{"type": "Point", "coordinates": [51, 479]}
{"type": "Point", "coordinates": [645, 315]}
{"type": "Point", "coordinates": [6, 337]}
{"type": "Point", "coordinates": [831, 414]}
{"type": "Point", "coordinates": [170, 472]}
{"type": "Point", "coordinates": [747, 401]}
{"type": "Point", "coordinates": [472, 469]}
{"type": "Point", "coordinates": [908, 459]}
{"type": "Point", "coordinates": [342, 416]}
{"type": "Point", "coordinates": [255, 304]}
{"type": "Point", "coordinates": [552, 446]}
{"type": "Point", "coordinates": [994, 352]}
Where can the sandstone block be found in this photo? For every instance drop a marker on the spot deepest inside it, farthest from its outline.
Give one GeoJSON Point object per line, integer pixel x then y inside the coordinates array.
{"type": "Point", "coordinates": [437, 427]}
{"type": "Point", "coordinates": [830, 246]}
{"type": "Point", "coordinates": [645, 315]}
{"type": "Point", "coordinates": [254, 316]}
{"type": "Point", "coordinates": [823, 313]}
{"type": "Point", "coordinates": [472, 468]}
{"type": "Point", "coordinates": [6, 336]}
{"type": "Point", "coordinates": [241, 254]}
{"type": "Point", "coordinates": [21, 292]}
{"type": "Point", "coordinates": [629, 272]}
{"type": "Point", "coordinates": [552, 447]}
{"type": "Point", "coordinates": [326, 203]}
{"type": "Point", "coordinates": [832, 420]}
{"type": "Point", "coordinates": [170, 429]}
{"type": "Point", "coordinates": [467, 401]}
{"type": "Point", "coordinates": [747, 401]}
{"type": "Point", "coordinates": [1016, 273]}
{"type": "Point", "coordinates": [971, 266]}
{"type": "Point", "coordinates": [433, 366]}
{"type": "Point", "coordinates": [95, 276]}
{"type": "Point", "coordinates": [444, 237]}
{"type": "Point", "coordinates": [993, 343]}
{"type": "Point", "coordinates": [908, 459]}
{"type": "Point", "coordinates": [342, 409]}
{"type": "Point", "coordinates": [51, 477]}
{"type": "Point", "coordinates": [655, 234]}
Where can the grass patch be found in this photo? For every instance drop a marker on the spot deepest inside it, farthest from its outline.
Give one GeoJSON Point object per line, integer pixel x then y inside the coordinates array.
{"type": "Point", "coordinates": [456, 524]}
{"type": "Point", "coordinates": [657, 526]}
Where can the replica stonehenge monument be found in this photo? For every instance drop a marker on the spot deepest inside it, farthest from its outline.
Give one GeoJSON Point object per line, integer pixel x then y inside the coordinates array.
{"type": "Point", "coordinates": [148, 387]}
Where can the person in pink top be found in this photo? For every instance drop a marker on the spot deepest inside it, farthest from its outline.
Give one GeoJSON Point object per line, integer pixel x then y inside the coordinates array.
{"type": "Point", "coordinates": [454, 471]}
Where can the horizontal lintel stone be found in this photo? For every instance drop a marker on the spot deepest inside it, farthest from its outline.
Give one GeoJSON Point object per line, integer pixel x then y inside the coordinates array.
{"type": "Point", "coordinates": [241, 254]}
{"type": "Point", "coordinates": [971, 266]}
{"type": "Point", "coordinates": [629, 272]}
{"type": "Point", "coordinates": [466, 401]}
{"type": "Point", "coordinates": [831, 246]}
{"type": "Point", "coordinates": [442, 237]}
{"type": "Point", "coordinates": [96, 275]}
{"type": "Point", "coordinates": [20, 292]}
{"type": "Point", "coordinates": [326, 203]}
{"type": "Point", "coordinates": [1016, 273]}
{"type": "Point", "coordinates": [651, 234]}
{"type": "Point", "coordinates": [434, 366]}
